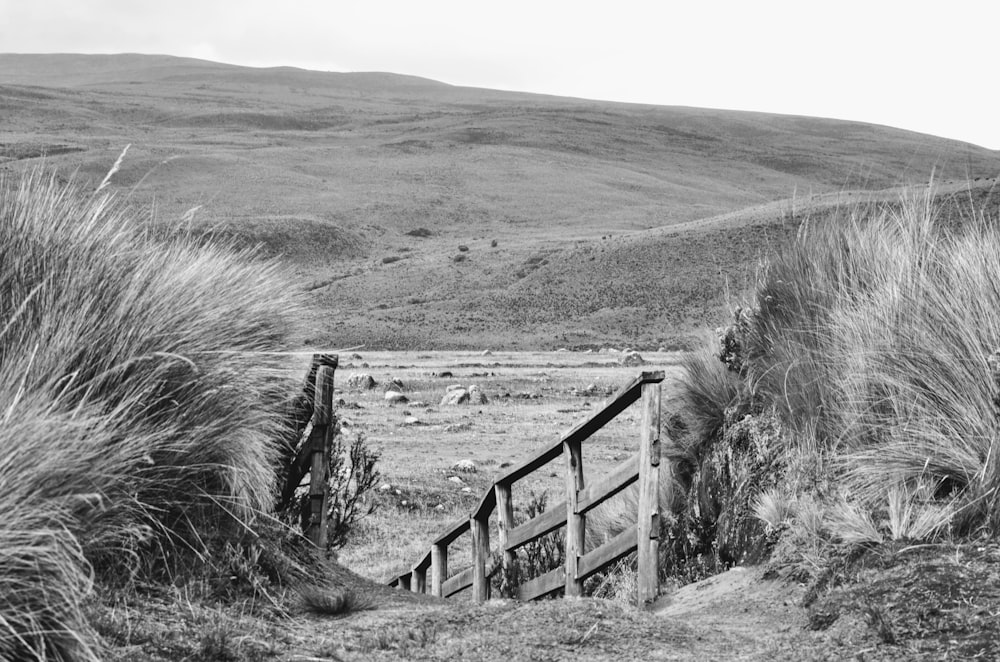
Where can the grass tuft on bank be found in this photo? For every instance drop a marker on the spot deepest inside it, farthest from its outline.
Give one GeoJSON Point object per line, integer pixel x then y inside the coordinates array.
{"type": "Point", "coordinates": [140, 410]}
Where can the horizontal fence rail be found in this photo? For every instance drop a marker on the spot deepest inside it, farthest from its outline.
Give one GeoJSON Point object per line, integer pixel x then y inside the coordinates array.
{"type": "Point", "coordinates": [642, 468]}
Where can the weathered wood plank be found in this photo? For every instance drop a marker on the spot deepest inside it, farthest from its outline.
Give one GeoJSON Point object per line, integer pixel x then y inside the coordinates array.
{"type": "Point", "coordinates": [505, 523]}
{"type": "Point", "coordinates": [648, 530]}
{"type": "Point", "coordinates": [597, 559]}
{"type": "Point", "coordinates": [623, 475]}
{"type": "Point", "coordinates": [576, 524]}
{"type": "Point", "coordinates": [480, 557]}
{"type": "Point", "coordinates": [319, 488]}
{"type": "Point", "coordinates": [459, 582]}
{"type": "Point", "coordinates": [424, 563]}
{"type": "Point", "coordinates": [449, 536]}
{"type": "Point", "coordinates": [486, 506]}
{"type": "Point", "coordinates": [542, 585]}
{"type": "Point", "coordinates": [624, 397]}
{"type": "Point", "coordinates": [418, 583]}
{"type": "Point", "coordinates": [547, 522]}
{"type": "Point", "coordinates": [439, 568]}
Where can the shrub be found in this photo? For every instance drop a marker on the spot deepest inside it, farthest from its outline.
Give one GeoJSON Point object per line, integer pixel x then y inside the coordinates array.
{"type": "Point", "coordinates": [873, 336]}
{"type": "Point", "coordinates": [141, 402]}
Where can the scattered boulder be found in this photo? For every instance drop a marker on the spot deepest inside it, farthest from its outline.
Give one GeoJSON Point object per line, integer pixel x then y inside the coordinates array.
{"type": "Point", "coordinates": [631, 358]}
{"type": "Point", "coordinates": [457, 396]}
{"type": "Point", "coordinates": [477, 397]}
{"type": "Point", "coordinates": [356, 357]}
{"type": "Point", "coordinates": [395, 384]}
{"type": "Point", "coordinates": [384, 487]}
{"type": "Point", "coordinates": [455, 479]}
{"type": "Point", "coordinates": [411, 420]}
{"type": "Point", "coordinates": [493, 244]}
{"type": "Point", "coordinates": [444, 373]}
{"type": "Point", "coordinates": [465, 466]}
{"type": "Point", "coordinates": [395, 398]}
{"type": "Point", "coordinates": [486, 352]}
{"type": "Point", "coordinates": [462, 248]}
{"type": "Point", "coordinates": [361, 381]}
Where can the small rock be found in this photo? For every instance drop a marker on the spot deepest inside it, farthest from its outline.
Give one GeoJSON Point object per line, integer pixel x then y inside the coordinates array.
{"type": "Point", "coordinates": [486, 352]}
{"type": "Point", "coordinates": [465, 466]}
{"type": "Point", "coordinates": [411, 420]}
{"type": "Point", "coordinates": [440, 506]}
{"type": "Point", "coordinates": [361, 381]}
{"type": "Point", "coordinates": [457, 396]}
{"type": "Point", "coordinates": [384, 487]}
{"type": "Point", "coordinates": [455, 479]}
{"type": "Point", "coordinates": [403, 502]}
{"type": "Point", "coordinates": [505, 464]}
{"type": "Point", "coordinates": [562, 349]}
{"type": "Point", "coordinates": [661, 349]}
{"type": "Point", "coordinates": [395, 398]}
{"type": "Point", "coordinates": [444, 373]}
{"type": "Point", "coordinates": [467, 490]}
{"type": "Point", "coordinates": [355, 357]}
{"type": "Point", "coordinates": [631, 358]}
{"type": "Point", "coordinates": [477, 397]}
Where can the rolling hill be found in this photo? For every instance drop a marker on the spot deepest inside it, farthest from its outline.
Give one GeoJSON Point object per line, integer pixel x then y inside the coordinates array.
{"type": "Point", "coordinates": [584, 222]}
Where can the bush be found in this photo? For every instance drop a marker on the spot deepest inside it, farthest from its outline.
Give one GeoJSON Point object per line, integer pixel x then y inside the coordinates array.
{"type": "Point", "coordinates": [873, 338]}
{"type": "Point", "coordinates": [141, 403]}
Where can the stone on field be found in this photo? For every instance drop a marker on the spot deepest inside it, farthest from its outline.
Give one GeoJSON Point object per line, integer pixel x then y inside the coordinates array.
{"type": "Point", "coordinates": [455, 396]}
{"type": "Point", "coordinates": [395, 397]}
{"type": "Point", "coordinates": [631, 358]}
{"type": "Point", "coordinates": [486, 352]}
{"type": "Point", "coordinates": [455, 479]}
{"type": "Point", "coordinates": [476, 396]}
{"type": "Point", "coordinates": [395, 384]}
{"type": "Point", "coordinates": [411, 420]}
{"type": "Point", "coordinates": [361, 381]}
{"type": "Point", "coordinates": [465, 466]}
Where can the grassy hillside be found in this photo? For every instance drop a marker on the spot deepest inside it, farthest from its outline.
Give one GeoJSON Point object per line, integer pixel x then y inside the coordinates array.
{"type": "Point", "coordinates": [332, 171]}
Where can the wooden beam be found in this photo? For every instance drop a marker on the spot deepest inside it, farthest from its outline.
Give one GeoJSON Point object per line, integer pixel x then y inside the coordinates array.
{"type": "Point", "coordinates": [459, 582]}
{"type": "Point", "coordinates": [323, 427]}
{"type": "Point", "coordinates": [505, 523]}
{"type": "Point", "coordinates": [623, 475]}
{"type": "Point", "coordinates": [649, 496]}
{"type": "Point", "coordinates": [576, 522]}
{"type": "Point", "coordinates": [535, 528]}
{"type": "Point", "coordinates": [480, 555]}
{"type": "Point", "coordinates": [624, 397]}
{"type": "Point", "coordinates": [419, 582]}
{"type": "Point", "coordinates": [453, 533]}
{"type": "Point", "coordinates": [486, 506]}
{"type": "Point", "coordinates": [439, 569]}
{"type": "Point", "coordinates": [597, 559]}
{"type": "Point", "coordinates": [542, 585]}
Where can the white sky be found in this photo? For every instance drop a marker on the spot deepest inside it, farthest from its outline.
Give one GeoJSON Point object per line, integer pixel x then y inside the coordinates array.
{"type": "Point", "coordinates": [924, 66]}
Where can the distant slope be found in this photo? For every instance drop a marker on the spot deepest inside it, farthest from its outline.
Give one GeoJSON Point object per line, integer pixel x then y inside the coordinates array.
{"type": "Point", "coordinates": [333, 171]}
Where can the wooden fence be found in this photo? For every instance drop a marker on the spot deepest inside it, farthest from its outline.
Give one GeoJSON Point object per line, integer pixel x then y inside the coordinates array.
{"type": "Point", "coordinates": [314, 425]}
{"type": "Point", "coordinates": [644, 538]}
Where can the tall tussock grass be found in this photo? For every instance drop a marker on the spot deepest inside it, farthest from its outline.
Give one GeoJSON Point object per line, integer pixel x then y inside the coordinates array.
{"type": "Point", "coordinates": [140, 411]}
{"type": "Point", "coordinates": [872, 338]}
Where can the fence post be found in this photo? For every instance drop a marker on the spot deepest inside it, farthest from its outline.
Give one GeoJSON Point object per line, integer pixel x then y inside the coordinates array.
{"type": "Point", "coordinates": [323, 425]}
{"type": "Point", "coordinates": [480, 554]}
{"type": "Point", "coordinates": [575, 522]}
{"type": "Point", "coordinates": [505, 522]}
{"type": "Point", "coordinates": [649, 495]}
{"type": "Point", "coordinates": [419, 582]}
{"type": "Point", "coordinates": [439, 568]}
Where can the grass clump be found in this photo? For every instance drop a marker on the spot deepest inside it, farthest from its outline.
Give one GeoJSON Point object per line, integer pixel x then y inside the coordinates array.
{"type": "Point", "coordinates": [873, 344]}
{"type": "Point", "coordinates": [139, 406]}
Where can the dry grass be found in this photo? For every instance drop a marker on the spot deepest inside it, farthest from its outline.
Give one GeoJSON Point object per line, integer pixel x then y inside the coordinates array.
{"type": "Point", "coordinates": [139, 418]}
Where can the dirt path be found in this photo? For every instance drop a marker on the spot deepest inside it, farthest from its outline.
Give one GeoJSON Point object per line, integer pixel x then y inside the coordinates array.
{"type": "Point", "coordinates": [738, 615]}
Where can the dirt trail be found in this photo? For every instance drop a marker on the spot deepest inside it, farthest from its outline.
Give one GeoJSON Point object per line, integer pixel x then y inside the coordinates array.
{"type": "Point", "coordinates": [737, 615]}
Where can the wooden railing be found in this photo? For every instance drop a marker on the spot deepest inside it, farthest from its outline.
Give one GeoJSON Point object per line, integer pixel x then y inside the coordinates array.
{"type": "Point", "coordinates": [644, 538]}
